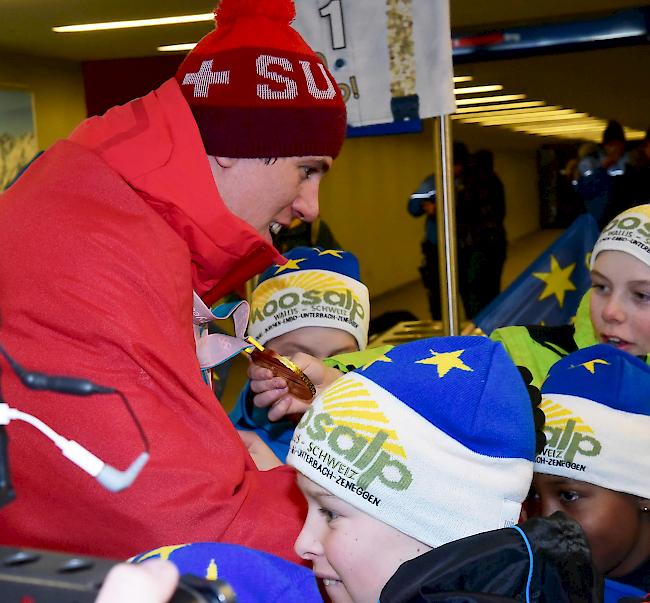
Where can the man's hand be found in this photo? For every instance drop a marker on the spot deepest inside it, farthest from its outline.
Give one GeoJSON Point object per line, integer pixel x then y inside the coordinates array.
{"type": "Point", "coordinates": [263, 456]}
{"type": "Point", "coordinates": [272, 392]}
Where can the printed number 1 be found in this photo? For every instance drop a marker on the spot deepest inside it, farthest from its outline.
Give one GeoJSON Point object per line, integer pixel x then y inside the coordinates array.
{"type": "Point", "coordinates": [334, 11]}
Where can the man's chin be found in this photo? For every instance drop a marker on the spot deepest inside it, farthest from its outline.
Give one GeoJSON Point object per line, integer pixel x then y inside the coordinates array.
{"type": "Point", "coordinates": [266, 235]}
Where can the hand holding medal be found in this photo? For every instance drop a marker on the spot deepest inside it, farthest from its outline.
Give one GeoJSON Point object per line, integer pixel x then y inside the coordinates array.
{"type": "Point", "coordinates": [298, 383]}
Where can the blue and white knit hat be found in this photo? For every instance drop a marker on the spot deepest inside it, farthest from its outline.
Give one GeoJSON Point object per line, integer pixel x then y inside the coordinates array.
{"type": "Point", "coordinates": [597, 407]}
{"type": "Point", "coordinates": [315, 288]}
{"type": "Point", "coordinates": [628, 232]}
{"type": "Point", "coordinates": [256, 577]}
{"type": "Point", "coordinates": [435, 438]}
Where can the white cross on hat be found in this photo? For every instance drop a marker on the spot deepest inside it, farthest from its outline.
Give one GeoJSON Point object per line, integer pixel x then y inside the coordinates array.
{"type": "Point", "coordinates": [204, 77]}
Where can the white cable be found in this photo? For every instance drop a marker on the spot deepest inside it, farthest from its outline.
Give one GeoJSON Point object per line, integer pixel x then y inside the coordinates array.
{"type": "Point", "coordinates": [108, 476]}
{"type": "Point", "coordinates": [46, 430]}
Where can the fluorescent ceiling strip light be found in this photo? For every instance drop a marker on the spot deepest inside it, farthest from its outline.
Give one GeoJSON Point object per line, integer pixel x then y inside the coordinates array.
{"type": "Point", "coordinates": [596, 127]}
{"type": "Point", "coordinates": [574, 135]}
{"type": "Point", "coordinates": [134, 23]}
{"type": "Point", "coordinates": [176, 47]}
{"type": "Point", "coordinates": [585, 121]}
{"type": "Point", "coordinates": [634, 134]}
{"type": "Point", "coordinates": [500, 107]}
{"type": "Point", "coordinates": [567, 132]}
{"type": "Point", "coordinates": [490, 99]}
{"type": "Point", "coordinates": [527, 118]}
{"type": "Point", "coordinates": [526, 111]}
{"type": "Point", "coordinates": [459, 79]}
{"type": "Point", "coordinates": [477, 89]}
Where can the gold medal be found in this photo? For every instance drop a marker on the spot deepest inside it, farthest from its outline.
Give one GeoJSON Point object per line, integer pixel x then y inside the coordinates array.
{"type": "Point", "coordinates": [298, 383]}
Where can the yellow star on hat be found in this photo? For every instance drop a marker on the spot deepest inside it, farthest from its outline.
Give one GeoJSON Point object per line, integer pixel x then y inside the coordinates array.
{"type": "Point", "coordinates": [163, 552]}
{"type": "Point", "coordinates": [335, 252]}
{"type": "Point", "coordinates": [382, 358]}
{"type": "Point", "coordinates": [445, 361]}
{"type": "Point", "coordinates": [290, 265]}
{"type": "Point", "coordinates": [590, 365]}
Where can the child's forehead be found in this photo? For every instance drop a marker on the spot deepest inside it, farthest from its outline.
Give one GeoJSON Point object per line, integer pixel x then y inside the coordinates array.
{"type": "Point", "coordinates": [613, 259]}
{"type": "Point", "coordinates": [560, 481]}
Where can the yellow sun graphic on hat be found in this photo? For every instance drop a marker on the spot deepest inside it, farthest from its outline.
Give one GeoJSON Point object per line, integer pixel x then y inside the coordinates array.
{"type": "Point", "coordinates": [350, 404]}
{"type": "Point", "coordinates": [558, 416]}
{"type": "Point", "coordinates": [320, 280]}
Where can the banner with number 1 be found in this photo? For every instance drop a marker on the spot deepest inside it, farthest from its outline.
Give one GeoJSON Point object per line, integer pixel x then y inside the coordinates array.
{"type": "Point", "coordinates": [391, 58]}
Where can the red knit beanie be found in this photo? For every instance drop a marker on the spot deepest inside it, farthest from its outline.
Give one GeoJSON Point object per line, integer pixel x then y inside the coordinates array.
{"type": "Point", "coordinates": [257, 90]}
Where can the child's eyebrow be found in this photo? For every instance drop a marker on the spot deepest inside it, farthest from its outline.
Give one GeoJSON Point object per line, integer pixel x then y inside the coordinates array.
{"type": "Point", "coordinates": [321, 494]}
{"type": "Point", "coordinates": [596, 273]}
{"type": "Point", "coordinates": [564, 481]}
{"type": "Point", "coordinates": [297, 347]}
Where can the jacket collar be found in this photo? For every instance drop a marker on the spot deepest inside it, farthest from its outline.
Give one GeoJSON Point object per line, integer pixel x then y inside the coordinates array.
{"type": "Point", "coordinates": [154, 144]}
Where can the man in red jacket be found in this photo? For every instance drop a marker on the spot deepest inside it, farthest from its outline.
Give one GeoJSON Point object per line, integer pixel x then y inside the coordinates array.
{"type": "Point", "coordinates": [104, 239]}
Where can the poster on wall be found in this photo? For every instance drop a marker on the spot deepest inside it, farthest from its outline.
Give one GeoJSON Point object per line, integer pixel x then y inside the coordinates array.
{"type": "Point", "coordinates": [391, 58]}
{"type": "Point", "coordinates": [18, 143]}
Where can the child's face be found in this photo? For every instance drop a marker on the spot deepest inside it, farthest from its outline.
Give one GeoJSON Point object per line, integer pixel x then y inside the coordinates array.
{"type": "Point", "coordinates": [620, 302]}
{"type": "Point", "coordinates": [617, 530]}
{"type": "Point", "coordinates": [353, 553]}
{"type": "Point", "coordinates": [321, 342]}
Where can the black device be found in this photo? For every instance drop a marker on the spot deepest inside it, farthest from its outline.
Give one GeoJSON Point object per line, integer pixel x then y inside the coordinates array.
{"type": "Point", "coordinates": [33, 576]}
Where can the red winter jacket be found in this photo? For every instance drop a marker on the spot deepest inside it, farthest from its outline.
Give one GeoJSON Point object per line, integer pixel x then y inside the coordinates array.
{"type": "Point", "coordinates": [103, 239]}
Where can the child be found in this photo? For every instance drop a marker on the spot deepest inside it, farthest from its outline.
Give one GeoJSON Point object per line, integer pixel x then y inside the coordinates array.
{"type": "Point", "coordinates": [315, 304]}
{"type": "Point", "coordinates": [430, 443]}
{"type": "Point", "coordinates": [596, 464]}
{"type": "Point", "coordinates": [616, 311]}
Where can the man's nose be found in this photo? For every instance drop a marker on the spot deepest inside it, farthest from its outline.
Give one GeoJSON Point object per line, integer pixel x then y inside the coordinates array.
{"type": "Point", "coordinates": [306, 205]}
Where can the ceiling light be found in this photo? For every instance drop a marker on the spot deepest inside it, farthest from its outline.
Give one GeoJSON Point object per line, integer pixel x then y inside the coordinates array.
{"type": "Point", "coordinates": [479, 112]}
{"type": "Point", "coordinates": [634, 134]}
{"type": "Point", "coordinates": [490, 99]}
{"type": "Point", "coordinates": [501, 106]}
{"type": "Point", "coordinates": [176, 47]}
{"type": "Point", "coordinates": [459, 79]}
{"type": "Point", "coordinates": [526, 118]}
{"type": "Point", "coordinates": [477, 89]}
{"type": "Point", "coordinates": [584, 126]}
{"type": "Point", "coordinates": [134, 23]}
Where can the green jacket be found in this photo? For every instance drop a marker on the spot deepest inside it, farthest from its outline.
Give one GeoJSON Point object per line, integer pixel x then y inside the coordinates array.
{"type": "Point", "coordinates": [539, 347]}
{"type": "Point", "coordinates": [536, 347]}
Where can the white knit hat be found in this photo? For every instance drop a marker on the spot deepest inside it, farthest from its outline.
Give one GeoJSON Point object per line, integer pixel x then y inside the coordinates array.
{"type": "Point", "coordinates": [315, 288]}
{"type": "Point", "coordinates": [435, 438]}
{"type": "Point", "coordinates": [597, 407]}
{"type": "Point", "coordinates": [628, 232]}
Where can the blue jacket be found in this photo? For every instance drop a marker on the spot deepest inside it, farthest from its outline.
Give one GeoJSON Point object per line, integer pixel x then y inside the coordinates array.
{"type": "Point", "coordinates": [615, 591]}
{"type": "Point", "coordinates": [247, 417]}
